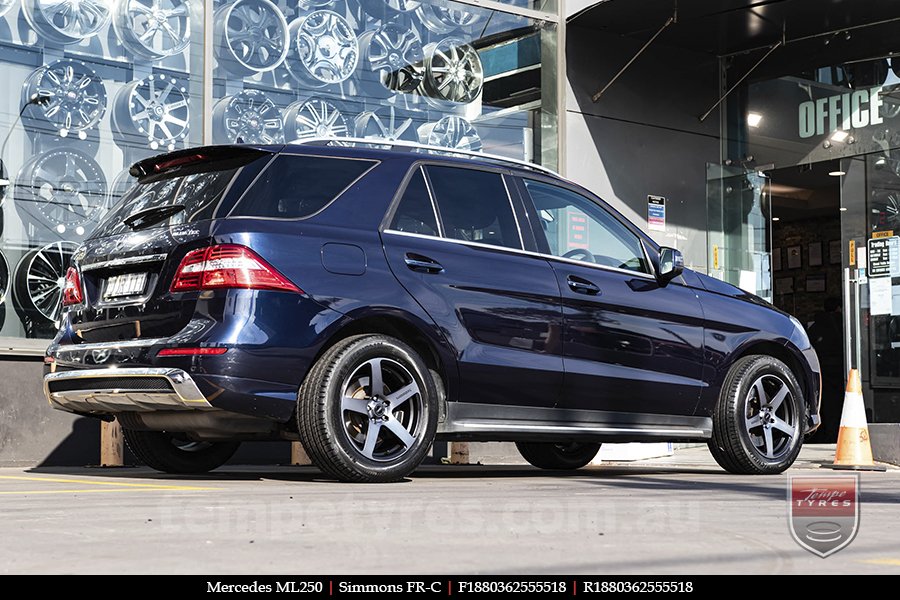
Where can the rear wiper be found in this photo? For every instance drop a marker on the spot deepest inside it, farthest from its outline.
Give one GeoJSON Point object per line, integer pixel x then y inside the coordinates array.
{"type": "Point", "coordinates": [150, 216]}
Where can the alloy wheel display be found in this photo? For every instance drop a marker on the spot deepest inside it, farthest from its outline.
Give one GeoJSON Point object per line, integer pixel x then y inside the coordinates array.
{"type": "Point", "coordinates": [378, 8]}
{"type": "Point", "coordinates": [384, 124]}
{"type": "Point", "coordinates": [249, 118]}
{"type": "Point", "coordinates": [4, 278]}
{"type": "Point", "coordinates": [324, 49]}
{"type": "Point", "coordinates": [66, 21]}
{"type": "Point", "coordinates": [155, 108]}
{"type": "Point", "coordinates": [77, 97]}
{"type": "Point", "coordinates": [5, 6]}
{"type": "Point", "coordinates": [153, 29]}
{"type": "Point", "coordinates": [446, 18]}
{"type": "Point", "coordinates": [251, 37]}
{"type": "Point", "coordinates": [451, 132]}
{"type": "Point", "coordinates": [453, 71]}
{"type": "Point", "coordinates": [314, 119]}
{"type": "Point", "coordinates": [62, 188]}
{"type": "Point", "coordinates": [40, 279]}
{"type": "Point", "coordinates": [395, 53]}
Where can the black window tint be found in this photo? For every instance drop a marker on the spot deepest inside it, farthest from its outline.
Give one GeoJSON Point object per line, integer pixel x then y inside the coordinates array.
{"type": "Point", "coordinates": [299, 186]}
{"type": "Point", "coordinates": [415, 214]}
{"type": "Point", "coordinates": [474, 206]}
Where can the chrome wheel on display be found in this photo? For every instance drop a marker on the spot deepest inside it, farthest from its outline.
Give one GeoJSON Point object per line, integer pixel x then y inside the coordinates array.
{"type": "Point", "coordinates": [4, 278]}
{"type": "Point", "coordinates": [66, 21]}
{"type": "Point", "coordinates": [447, 17]}
{"type": "Point", "coordinates": [379, 8]}
{"type": "Point", "coordinates": [314, 119]}
{"type": "Point", "coordinates": [251, 37]}
{"type": "Point", "coordinates": [770, 418]}
{"type": "Point", "coordinates": [453, 71]}
{"type": "Point", "coordinates": [77, 97]}
{"type": "Point", "coordinates": [153, 29]}
{"type": "Point", "coordinates": [5, 6]}
{"type": "Point", "coordinates": [155, 108]}
{"type": "Point", "coordinates": [324, 49]}
{"type": "Point", "coordinates": [451, 132]}
{"type": "Point", "coordinates": [63, 189]}
{"type": "Point", "coordinates": [249, 118]}
{"type": "Point", "coordinates": [382, 409]}
{"type": "Point", "coordinates": [41, 277]}
{"type": "Point", "coordinates": [395, 53]}
{"type": "Point", "coordinates": [384, 124]}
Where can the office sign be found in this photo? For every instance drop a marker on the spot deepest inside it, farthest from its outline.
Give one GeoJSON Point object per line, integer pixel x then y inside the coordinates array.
{"type": "Point", "coordinates": [884, 257]}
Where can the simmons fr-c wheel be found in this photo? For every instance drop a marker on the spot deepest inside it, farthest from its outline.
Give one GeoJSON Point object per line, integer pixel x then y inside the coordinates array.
{"type": "Point", "coordinates": [367, 410]}
{"type": "Point", "coordinates": [558, 457]}
{"type": "Point", "coordinates": [758, 420]}
{"type": "Point", "coordinates": [155, 110]}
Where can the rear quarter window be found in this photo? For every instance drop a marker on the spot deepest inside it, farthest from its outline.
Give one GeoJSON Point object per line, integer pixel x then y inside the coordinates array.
{"type": "Point", "coordinates": [295, 187]}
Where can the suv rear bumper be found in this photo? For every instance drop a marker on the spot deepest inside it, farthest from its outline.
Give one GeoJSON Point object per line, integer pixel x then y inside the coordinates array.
{"type": "Point", "coordinates": [123, 390]}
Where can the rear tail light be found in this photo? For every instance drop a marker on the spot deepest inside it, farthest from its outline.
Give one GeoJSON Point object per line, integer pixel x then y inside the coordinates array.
{"type": "Point", "coordinates": [191, 351]}
{"type": "Point", "coordinates": [228, 266]}
{"type": "Point", "coordinates": [72, 293]}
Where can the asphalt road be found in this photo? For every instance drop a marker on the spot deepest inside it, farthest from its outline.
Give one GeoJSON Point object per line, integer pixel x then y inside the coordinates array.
{"type": "Point", "coordinates": [678, 515]}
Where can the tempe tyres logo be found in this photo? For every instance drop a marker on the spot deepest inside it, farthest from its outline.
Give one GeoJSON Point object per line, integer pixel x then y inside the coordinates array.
{"type": "Point", "coordinates": [824, 512]}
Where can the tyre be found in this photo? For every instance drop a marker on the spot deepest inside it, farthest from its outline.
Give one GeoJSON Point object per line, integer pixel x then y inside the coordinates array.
{"type": "Point", "coordinates": [367, 411]}
{"type": "Point", "coordinates": [164, 452]}
{"type": "Point", "coordinates": [558, 457]}
{"type": "Point", "coordinates": [757, 422]}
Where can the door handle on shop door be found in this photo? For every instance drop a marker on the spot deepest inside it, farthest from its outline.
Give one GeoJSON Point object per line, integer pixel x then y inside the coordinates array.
{"type": "Point", "coordinates": [582, 286]}
{"type": "Point", "coordinates": [422, 264]}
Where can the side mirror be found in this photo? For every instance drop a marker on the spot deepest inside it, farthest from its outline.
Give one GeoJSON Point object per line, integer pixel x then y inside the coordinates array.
{"type": "Point", "coordinates": [671, 264]}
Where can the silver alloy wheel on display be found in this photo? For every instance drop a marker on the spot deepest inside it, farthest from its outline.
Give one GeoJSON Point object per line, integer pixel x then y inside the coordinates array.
{"type": "Point", "coordinates": [451, 132]}
{"type": "Point", "coordinates": [447, 17]}
{"type": "Point", "coordinates": [453, 71]}
{"type": "Point", "coordinates": [4, 278]}
{"type": "Point", "coordinates": [41, 277]}
{"type": "Point", "coordinates": [378, 8]}
{"type": "Point", "coordinates": [251, 37]}
{"type": "Point", "coordinates": [153, 29]}
{"type": "Point", "coordinates": [382, 409]}
{"type": "Point", "coordinates": [770, 417]}
{"type": "Point", "coordinates": [66, 21]}
{"type": "Point", "coordinates": [384, 124]}
{"type": "Point", "coordinates": [62, 188]}
{"type": "Point", "coordinates": [5, 6]}
{"type": "Point", "coordinates": [77, 96]}
{"type": "Point", "coordinates": [324, 49]}
{"type": "Point", "coordinates": [249, 117]}
{"type": "Point", "coordinates": [314, 118]}
{"type": "Point", "coordinates": [395, 53]}
{"type": "Point", "coordinates": [155, 108]}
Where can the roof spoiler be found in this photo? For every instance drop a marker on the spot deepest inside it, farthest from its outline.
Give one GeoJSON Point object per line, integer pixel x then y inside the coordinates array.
{"type": "Point", "coordinates": [175, 161]}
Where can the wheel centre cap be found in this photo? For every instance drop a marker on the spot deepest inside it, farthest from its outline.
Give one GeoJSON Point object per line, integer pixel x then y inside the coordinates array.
{"type": "Point", "coordinates": [377, 408]}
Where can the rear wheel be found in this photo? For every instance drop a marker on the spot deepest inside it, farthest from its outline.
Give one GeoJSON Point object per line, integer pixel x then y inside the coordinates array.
{"type": "Point", "coordinates": [558, 457]}
{"type": "Point", "coordinates": [367, 411]}
{"type": "Point", "coordinates": [165, 452]}
{"type": "Point", "coordinates": [757, 422]}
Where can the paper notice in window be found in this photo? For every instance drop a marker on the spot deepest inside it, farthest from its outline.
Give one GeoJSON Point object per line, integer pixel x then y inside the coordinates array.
{"type": "Point", "coordinates": [880, 301]}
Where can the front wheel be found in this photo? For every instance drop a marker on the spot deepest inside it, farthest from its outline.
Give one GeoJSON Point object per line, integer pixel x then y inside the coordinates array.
{"type": "Point", "coordinates": [168, 453]}
{"type": "Point", "coordinates": [367, 410]}
{"type": "Point", "coordinates": [758, 420]}
{"type": "Point", "coordinates": [558, 457]}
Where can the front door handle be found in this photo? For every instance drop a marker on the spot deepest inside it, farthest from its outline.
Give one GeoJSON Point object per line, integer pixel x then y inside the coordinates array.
{"type": "Point", "coordinates": [582, 286]}
{"type": "Point", "coordinates": [422, 264]}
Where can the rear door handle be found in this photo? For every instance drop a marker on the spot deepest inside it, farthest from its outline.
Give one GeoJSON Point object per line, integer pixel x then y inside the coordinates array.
{"type": "Point", "coordinates": [422, 264]}
{"type": "Point", "coordinates": [582, 286]}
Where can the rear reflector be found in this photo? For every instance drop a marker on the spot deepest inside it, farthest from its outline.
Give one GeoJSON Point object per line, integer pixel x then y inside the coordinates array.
{"type": "Point", "coordinates": [72, 293]}
{"type": "Point", "coordinates": [191, 351]}
{"type": "Point", "coordinates": [228, 266]}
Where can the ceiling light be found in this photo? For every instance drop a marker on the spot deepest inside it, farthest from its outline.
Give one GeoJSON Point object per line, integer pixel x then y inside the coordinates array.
{"type": "Point", "coordinates": [839, 136]}
{"type": "Point", "coordinates": [776, 218]}
{"type": "Point", "coordinates": [753, 119]}
{"type": "Point", "coordinates": [837, 173]}
{"type": "Point", "coordinates": [843, 209]}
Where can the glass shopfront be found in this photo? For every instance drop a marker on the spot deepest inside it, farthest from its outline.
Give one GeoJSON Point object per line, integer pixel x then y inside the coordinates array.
{"type": "Point", "coordinates": [101, 84]}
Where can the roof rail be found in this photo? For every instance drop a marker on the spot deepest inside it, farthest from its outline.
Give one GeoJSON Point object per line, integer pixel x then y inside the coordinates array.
{"type": "Point", "coordinates": [413, 146]}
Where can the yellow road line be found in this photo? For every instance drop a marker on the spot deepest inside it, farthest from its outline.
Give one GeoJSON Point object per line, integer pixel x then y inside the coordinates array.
{"type": "Point", "coordinates": [118, 484]}
{"type": "Point", "coordinates": [891, 562]}
{"type": "Point", "coordinates": [104, 491]}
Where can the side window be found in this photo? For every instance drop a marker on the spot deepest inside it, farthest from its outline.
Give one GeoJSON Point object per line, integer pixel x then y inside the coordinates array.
{"type": "Point", "coordinates": [294, 186]}
{"type": "Point", "coordinates": [577, 228]}
{"type": "Point", "coordinates": [474, 206]}
{"type": "Point", "coordinates": [415, 214]}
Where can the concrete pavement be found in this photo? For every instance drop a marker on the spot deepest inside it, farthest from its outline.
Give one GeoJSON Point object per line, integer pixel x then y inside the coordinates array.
{"type": "Point", "coordinates": [678, 515]}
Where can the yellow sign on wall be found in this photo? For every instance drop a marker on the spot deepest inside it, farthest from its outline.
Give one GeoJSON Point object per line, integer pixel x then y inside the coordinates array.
{"type": "Point", "coordinates": [882, 234]}
{"type": "Point", "coordinates": [715, 257]}
{"type": "Point", "coordinates": [852, 255]}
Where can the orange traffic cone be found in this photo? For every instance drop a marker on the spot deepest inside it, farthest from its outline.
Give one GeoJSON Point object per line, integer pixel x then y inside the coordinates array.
{"type": "Point", "coordinates": [854, 451]}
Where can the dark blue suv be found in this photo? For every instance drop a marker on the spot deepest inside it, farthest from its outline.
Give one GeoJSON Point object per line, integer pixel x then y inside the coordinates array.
{"type": "Point", "coordinates": [368, 300]}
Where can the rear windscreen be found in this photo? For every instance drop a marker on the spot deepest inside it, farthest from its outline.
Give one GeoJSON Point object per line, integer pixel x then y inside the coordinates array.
{"type": "Point", "coordinates": [294, 187]}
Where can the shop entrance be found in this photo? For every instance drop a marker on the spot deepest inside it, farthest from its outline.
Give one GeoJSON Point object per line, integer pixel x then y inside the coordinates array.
{"type": "Point", "coordinates": [807, 269]}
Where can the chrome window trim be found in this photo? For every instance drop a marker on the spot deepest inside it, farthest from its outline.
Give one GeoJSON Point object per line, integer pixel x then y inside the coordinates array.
{"type": "Point", "coordinates": [122, 262]}
{"type": "Point", "coordinates": [523, 252]}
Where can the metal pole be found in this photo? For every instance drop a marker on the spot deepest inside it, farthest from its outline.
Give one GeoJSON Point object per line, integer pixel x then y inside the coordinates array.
{"type": "Point", "coordinates": [739, 81]}
{"type": "Point", "coordinates": [857, 336]}
{"type": "Point", "coordinates": [848, 348]}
